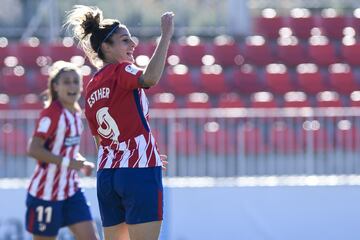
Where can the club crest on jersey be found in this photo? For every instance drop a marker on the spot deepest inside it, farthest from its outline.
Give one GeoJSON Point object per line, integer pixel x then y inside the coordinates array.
{"type": "Point", "coordinates": [131, 69]}
{"type": "Point", "coordinates": [44, 125]}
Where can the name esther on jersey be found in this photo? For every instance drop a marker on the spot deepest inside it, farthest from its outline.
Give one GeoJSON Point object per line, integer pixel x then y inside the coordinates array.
{"type": "Point", "coordinates": [97, 95]}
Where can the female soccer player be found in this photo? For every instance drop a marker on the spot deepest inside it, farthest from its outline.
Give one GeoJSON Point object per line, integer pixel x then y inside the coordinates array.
{"type": "Point", "coordinates": [129, 180]}
{"type": "Point", "coordinates": [55, 198]}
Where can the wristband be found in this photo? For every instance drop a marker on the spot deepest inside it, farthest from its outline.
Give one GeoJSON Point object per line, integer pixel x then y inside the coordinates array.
{"type": "Point", "coordinates": [65, 162]}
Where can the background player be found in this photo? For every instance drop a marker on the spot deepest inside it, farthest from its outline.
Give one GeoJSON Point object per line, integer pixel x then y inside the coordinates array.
{"type": "Point", "coordinates": [55, 198]}
{"type": "Point", "coordinates": [129, 184]}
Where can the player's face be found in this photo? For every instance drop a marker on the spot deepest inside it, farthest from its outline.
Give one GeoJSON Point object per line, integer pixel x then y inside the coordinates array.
{"type": "Point", "coordinates": [68, 87]}
{"type": "Point", "coordinates": [123, 46]}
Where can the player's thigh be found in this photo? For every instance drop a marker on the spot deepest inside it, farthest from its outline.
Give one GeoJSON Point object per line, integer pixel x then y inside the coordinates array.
{"type": "Point", "coordinates": [117, 232]}
{"type": "Point", "coordinates": [84, 230]}
{"type": "Point", "coordinates": [43, 218]}
{"type": "Point", "coordinates": [145, 231]}
{"type": "Point", "coordinates": [36, 237]}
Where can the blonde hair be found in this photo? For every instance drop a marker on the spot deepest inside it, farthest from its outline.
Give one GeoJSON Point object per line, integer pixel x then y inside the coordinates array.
{"type": "Point", "coordinates": [55, 71]}
{"type": "Point", "coordinates": [89, 27]}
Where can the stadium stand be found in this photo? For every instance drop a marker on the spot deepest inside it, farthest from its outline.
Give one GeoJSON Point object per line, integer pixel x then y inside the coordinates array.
{"type": "Point", "coordinates": [302, 59]}
{"type": "Point", "coordinates": [212, 80]}
{"type": "Point", "coordinates": [268, 23]}
{"type": "Point", "coordinates": [296, 100]}
{"type": "Point", "coordinates": [225, 50]}
{"type": "Point", "coordinates": [257, 51]}
{"type": "Point", "coordinates": [301, 21]}
{"type": "Point", "coordinates": [332, 23]}
{"type": "Point", "coordinates": [278, 79]}
{"type": "Point", "coordinates": [246, 80]}
{"type": "Point", "coordinates": [230, 100]}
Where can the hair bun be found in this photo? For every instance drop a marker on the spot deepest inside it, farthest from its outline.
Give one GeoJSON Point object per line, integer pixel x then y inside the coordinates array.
{"type": "Point", "coordinates": [91, 23]}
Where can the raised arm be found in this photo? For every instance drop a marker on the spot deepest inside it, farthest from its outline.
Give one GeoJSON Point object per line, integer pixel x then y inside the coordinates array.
{"type": "Point", "coordinates": [153, 72]}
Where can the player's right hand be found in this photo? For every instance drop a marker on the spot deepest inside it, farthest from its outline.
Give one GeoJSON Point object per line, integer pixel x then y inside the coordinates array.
{"type": "Point", "coordinates": [77, 164]}
{"type": "Point", "coordinates": [87, 168]}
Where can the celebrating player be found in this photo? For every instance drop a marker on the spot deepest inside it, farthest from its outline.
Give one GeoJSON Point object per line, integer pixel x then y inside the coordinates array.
{"type": "Point", "coordinates": [129, 180]}
{"type": "Point", "coordinates": [55, 198]}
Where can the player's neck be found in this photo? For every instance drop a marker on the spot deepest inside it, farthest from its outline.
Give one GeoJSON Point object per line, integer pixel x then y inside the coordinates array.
{"type": "Point", "coordinates": [71, 107]}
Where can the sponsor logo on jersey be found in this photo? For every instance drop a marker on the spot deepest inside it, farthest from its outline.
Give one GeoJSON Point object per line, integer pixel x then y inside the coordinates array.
{"type": "Point", "coordinates": [44, 125]}
{"type": "Point", "coordinates": [131, 69]}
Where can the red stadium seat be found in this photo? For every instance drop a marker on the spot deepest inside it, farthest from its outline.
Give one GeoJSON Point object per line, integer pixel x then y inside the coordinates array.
{"type": "Point", "coordinates": [164, 101]}
{"type": "Point", "coordinates": [197, 100]}
{"type": "Point", "coordinates": [230, 100]}
{"type": "Point", "coordinates": [263, 100]}
{"type": "Point", "coordinates": [269, 23]}
{"type": "Point", "coordinates": [355, 99]}
{"type": "Point", "coordinates": [290, 52]}
{"type": "Point", "coordinates": [4, 101]}
{"type": "Point", "coordinates": [310, 79]}
{"type": "Point", "coordinates": [191, 51]}
{"type": "Point", "coordinates": [257, 51]}
{"type": "Point", "coordinates": [14, 81]}
{"type": "Point", "coordinates": [328, 99]}
{"type": "Point", "coordinates": [332, 23]}
{"type": "Point", "coordinates": [145, 48]}
{"type": "Point", "coordinates": [4, 50]}
{"type": "Point", "coordinates": [355, 20]}
{"type": "Point", "coordinates": [246, 80]}
{"type": "Point", "coordinates": [342, 78]}
{"type": "Point", "coordinates": [30, 102]}
{"type": "Point", "coordinates": [212, 79]}
{"type": "Point", "coordinates": [301, 22]}
{"type": "Point", "coordinates": [347, 135]}
{"type": "Point", "coordinates": [321, 51]}
{"type": "Point", "coordinates": [32, 53]}
{"type": "Point", "coordinates": [283, 138]}
{"type": "Point", "coordinates": [179, 80]}
{"type": "Point", "coordinates": [314, 136]}
{"type": "Point", "coordinates": [296, 100]}
{"type": "Point", "coordinates": [39, 80]}
{"type": "Point", "coordinates": [278, 78]}
{"type": "Point", "coordinates": [226, 51]}
{"type": "Point", "coordinates": [350, 50]}
{"type": "Point", "coordinates": [250, 139]}
{"type": "Point", "coordinates": [64, 51]}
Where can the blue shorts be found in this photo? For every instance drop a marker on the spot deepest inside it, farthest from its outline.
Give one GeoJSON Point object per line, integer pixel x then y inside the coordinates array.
{"type": "Point", "coordinates": [131, 195]}
{"type": "Point", "coordinates": [45, 218]}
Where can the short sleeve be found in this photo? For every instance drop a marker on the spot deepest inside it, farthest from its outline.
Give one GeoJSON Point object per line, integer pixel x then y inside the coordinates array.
{"type": "Point", "coordinates": [47, 124]}
{"type": "Point", "coordinates": [128, 76]}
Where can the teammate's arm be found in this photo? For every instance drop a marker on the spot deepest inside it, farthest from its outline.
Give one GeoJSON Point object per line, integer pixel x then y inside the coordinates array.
{"type": "Point", "coordinates": [153, 72]}
{"type": "Point", "coordinates": [37, 150]}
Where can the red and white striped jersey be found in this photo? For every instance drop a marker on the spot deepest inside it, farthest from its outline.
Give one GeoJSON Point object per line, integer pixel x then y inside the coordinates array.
{"type": "Point", "coordinates": [61, 130]}
{"type": "Point", "coordinates": [117, 111]}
